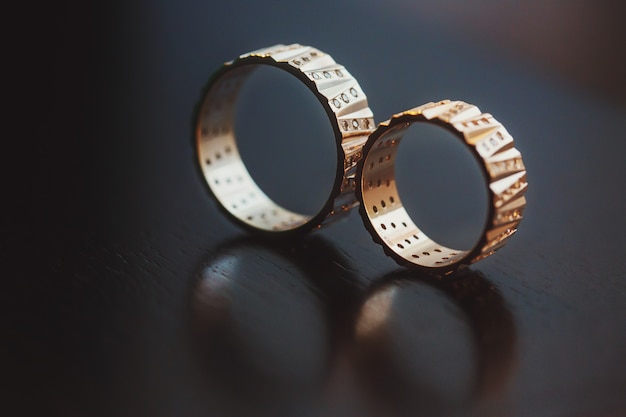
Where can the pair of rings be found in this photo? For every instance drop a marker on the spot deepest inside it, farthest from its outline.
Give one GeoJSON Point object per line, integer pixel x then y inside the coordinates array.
{"type": "Point", "coordinates": [365, 175]}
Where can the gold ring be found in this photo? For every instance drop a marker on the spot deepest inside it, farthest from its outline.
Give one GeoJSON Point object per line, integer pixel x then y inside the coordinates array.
{"type": "Point", "coordinates": [381, 207]}
{"type": "Point", "coordinates": [222, 167]}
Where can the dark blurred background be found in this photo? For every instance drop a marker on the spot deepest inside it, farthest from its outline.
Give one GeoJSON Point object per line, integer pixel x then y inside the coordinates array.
{"type": "Point", "coordinates": [94, 77]}
{"type": "Point", "coordinates": [127, 292]}
{"type": "Point", "coordinates": [90, 74]}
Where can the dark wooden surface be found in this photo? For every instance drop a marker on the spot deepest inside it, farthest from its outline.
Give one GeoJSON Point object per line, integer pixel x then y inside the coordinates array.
{"type": "Point", "coordinates": [127, 293]}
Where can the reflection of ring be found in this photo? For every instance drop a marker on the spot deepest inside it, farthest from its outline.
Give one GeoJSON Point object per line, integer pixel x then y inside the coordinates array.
{"type": "Point", "coordinates": [377, 332]}
{"type": "Point", "coordinates": [384, 214]}
{"type": "Point", "coordinates": [223, 169]}
{"type": "Point", "coordinates": [265, 319]}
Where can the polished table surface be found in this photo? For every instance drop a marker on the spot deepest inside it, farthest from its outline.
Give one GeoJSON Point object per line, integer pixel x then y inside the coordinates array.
{"type": "Point", "coordinates": [130, 294]}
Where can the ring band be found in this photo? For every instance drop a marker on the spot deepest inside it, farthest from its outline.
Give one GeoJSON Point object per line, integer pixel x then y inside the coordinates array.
{"type": "Point", "coordinates": [222, 167]}
{"type": "Point", "coordinates": [382, 210]}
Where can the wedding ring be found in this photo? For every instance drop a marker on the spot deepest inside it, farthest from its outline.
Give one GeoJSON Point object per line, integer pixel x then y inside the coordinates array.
{"type": "Point", "coordinates": [221, 165]}
{"type": "Point", "coordinates": [381, 207]}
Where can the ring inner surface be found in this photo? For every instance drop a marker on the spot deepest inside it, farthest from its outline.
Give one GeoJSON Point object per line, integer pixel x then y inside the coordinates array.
{"type": "Point", "coordinates": [386, 212]}
{"type": "Point", "coordinates": [221, 162]}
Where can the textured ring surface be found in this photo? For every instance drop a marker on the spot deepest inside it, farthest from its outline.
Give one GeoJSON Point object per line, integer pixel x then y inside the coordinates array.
{"type": "Point", "coordinates": [222, 167]}
{"type": "Point", "coordinates": [381, 207]}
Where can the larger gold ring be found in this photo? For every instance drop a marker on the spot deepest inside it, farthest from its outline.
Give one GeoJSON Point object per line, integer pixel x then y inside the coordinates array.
{"type": "Point", "coordinates": [381, 207]}
{"type": "Point", "coordinates": [222, 167]}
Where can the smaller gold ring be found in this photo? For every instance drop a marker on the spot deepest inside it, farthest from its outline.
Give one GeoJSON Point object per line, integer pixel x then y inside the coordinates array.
{"type": "Point", "coordinates": [381, 207]}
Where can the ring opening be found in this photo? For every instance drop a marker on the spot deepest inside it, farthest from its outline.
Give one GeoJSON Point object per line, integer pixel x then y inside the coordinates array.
{"type": "Point", "coordinates": [434, 182]}
{"type": "Point", "coordinates": [265, 146]}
